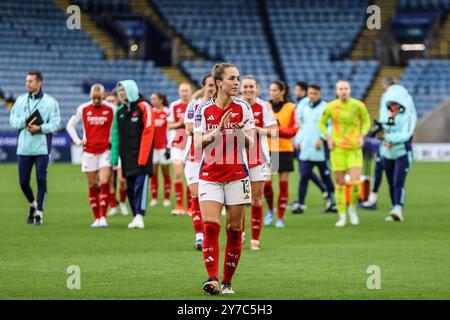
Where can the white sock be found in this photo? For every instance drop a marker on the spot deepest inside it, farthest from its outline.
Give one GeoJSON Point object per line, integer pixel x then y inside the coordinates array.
{"type": "Point", "coordinates": [198, 236]}
{"type": "Point", "coordinates": [33, 204]}
{"type": "Point", "coordinates": [373, 197]}
{"type": "Point", "coordinates": [39, 213]}
{"type": "Point", "coordinates": [352, 209]}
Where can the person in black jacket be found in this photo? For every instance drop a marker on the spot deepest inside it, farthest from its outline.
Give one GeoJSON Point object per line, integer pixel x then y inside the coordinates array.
{"type": "Point", "coordinates": [132, 139]}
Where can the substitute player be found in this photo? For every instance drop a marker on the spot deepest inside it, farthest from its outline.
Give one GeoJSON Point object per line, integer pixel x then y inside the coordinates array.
{"type": "Point", "coordinates": [281, 149]}
{"type": "Point", "coordinates": [116, 175]}
{"type": "Point", "coordinates": [192, 164]}
{"type": "Point", "coordinates": [396, 146]}
{"type": "Point", "coordinates": [258, 156]}
{"type": "Point", "coordinates": [97, 117]}
{"type": "Point", "coordinates": [161, 155]}
{"type": "Point", "coordinates": [313, 150]}
{"type": "Point", "coordinates": [132, 139]}
{"type": "Point", "coordinates": [350, 122]}
{"type": "Point", "coordinates": [223, 127]}
{"type": "Point", "coordinates": [175, 121]}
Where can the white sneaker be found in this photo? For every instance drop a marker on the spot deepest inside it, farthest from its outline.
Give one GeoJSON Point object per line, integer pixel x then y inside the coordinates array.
{"type": "Point", "coordinates": [137, 222]}
{"type": "Point", "coordinates": [95, 224]}
{"type": "Point", "coordinates": [112, 212]}
{"type": "Point", "coordinates": [389, 219]}
{"type": "Point", "coordinates": [396, 213]}
{"type": "Point", "coordinates": [224, 211]}
{"type": "Point", "coordinates": [226, 289]}
{"type": "Point", "coordinates": [166, 203]}
{"type": "Point", "coordinates": [153, 203]}
{"type": "Point", "coordinates": [354, 219]}
{"type": "Point", "coordinates": [342, 221]}
{"type": "Point", "coordinates": [102, 222]}
{"type": "Point", "coordinates": [123, 208]}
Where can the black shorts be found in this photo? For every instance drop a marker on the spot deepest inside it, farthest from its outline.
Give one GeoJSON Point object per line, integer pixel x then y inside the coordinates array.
{"type": "Point", "coordinates": [282, 161]}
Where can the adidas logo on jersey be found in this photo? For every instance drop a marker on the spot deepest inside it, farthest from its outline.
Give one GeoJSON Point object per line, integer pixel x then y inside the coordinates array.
{"type": "Point", "coordinates": [211, 118]}
{"type": "Point", "coordinates": [105, 112]}
{"type": "Point", "coordinates": [234, 115]}
{"type": "Point", "coordinates": [257, 113]}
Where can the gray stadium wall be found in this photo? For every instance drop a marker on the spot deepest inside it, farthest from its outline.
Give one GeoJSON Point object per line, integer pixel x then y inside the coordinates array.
{"type": "Point", "coordinates": [435, 126]}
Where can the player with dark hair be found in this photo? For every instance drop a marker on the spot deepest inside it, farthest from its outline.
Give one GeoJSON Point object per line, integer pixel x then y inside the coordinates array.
{"type": "Point", "coordinates": [223, 128]}
{"type": "Point", "coordinates": [281, 148]}
{"type": "Point", "coordinates": [161, 152]}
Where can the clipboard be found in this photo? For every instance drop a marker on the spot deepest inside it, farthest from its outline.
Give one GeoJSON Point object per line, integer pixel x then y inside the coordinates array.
{"type": "Point", "coordinates": [35, 119]}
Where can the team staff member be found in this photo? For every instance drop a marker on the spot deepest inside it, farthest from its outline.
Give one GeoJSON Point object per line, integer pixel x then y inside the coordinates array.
{"type": "Point", "coordinates": [175, 121]}
{"type": "Point", "coordinates": [97, 117]}
{"type": "Point", "coordinates": [313, 153]}
{"type": "Point", "coordinates": [161, 157]}
{"type": "Point", "coordinates": [223, 128]}
{"type": "Point", "coordinates": [281, 149]}
{"type": "Point", "coordinates": [132, 139]}
{"type": "Point", "coordinates": [192, 163]}
{"type": "Point", "coordinates": [34, 142]}
{"type": "Point", "coordinates": [350, 122]}
{"type": "Point", "coordinates": [396, 146]}
{"type": "Point", "coordinates": [259, 158]}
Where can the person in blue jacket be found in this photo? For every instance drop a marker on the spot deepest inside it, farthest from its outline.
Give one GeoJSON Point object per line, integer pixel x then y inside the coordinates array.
{"type": "Point", "coordinates": [390, 84]}
{"type": "Point", "coordinates": [34, 142]}
{"type": "Point", "coordinates": [399, 123]}
{"type": "Point", "coordinates": [313, 148]}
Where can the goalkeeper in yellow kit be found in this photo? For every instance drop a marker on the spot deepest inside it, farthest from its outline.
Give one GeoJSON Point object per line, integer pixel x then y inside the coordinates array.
{"type": "Point", "coordinates": [350, 122]}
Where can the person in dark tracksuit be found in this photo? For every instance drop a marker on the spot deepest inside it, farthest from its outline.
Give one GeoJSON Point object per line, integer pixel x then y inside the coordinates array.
{"type": "Point", "coordinates": [313, 152]}
{"type": "Point", "coordinates": [34, 142]}
{"type": "Point", "coordinates": [132, 139]}
{"type": "Point", "coordinates": [396, 146]}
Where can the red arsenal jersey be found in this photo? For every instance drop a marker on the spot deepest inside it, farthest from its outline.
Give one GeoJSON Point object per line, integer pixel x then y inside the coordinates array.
{"type": "Point", "coordinates": [263, 117]}
{"type": "Point", "coordinates": [97, 123]}
{"type": "Point", "coordinates": [177, 110]}
{"type": "Point", "coordinates": [160, 116]}
{"type": "Point", "coordinates": [224, 159]}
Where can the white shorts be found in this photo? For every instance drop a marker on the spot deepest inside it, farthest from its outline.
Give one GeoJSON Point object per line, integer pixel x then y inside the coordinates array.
{"type": "Point", "coordinates": [177, 154]}
{"type": "Point", "coordinates": [119, 165]}
{"type": "Point", "coordinates": [93, 162]}
{"type": "Point", "coordinates": [260, 173]}
{"type": "Point", "coordinates": [228, 193]}
{"type": "Point", "coordinates": [191, 171]}
{"type": "Point", "coordinates": [159, 157]}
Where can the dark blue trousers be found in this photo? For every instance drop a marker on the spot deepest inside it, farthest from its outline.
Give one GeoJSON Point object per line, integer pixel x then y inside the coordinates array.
{"type": "Point", "coordinates": [396, 171]}
{"type": "Point", "coordinates": [137, 193]}
{"type": "Point", "coordinates": [306, 168]}
{"type": "Point", "coordinates": [25, 167]}
{"type": "Point", "coordinates": [378, 176]}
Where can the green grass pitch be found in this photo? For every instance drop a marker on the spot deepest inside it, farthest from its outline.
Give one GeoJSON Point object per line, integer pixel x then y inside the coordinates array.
{"type": "Point", "coordinates": [309, 259]}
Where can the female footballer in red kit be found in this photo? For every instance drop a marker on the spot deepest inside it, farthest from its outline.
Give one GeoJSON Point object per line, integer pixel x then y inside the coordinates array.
{"type": "Point", "coordinates": [223, 128]}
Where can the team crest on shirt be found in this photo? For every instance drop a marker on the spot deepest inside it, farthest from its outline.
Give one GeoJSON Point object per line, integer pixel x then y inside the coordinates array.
{"type": "Point", "coordinates": [105, 112]}
{"type": "Point", "coordinates": [198, 120]}
{"type": "Point", "coordinates": [190, 114]}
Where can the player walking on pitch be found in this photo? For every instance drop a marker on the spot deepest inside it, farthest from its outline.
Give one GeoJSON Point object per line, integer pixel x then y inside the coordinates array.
{"type": "Point", "coordinates": [223, 127]}
{"type": "Point", "coordinates": [97, 117]}
{"type": "Point", "coordinates": [192, 163]}
{"type": "Point", "coordinates": [350, 122]}
{"type": "Point", "coordinates": [259, 158]}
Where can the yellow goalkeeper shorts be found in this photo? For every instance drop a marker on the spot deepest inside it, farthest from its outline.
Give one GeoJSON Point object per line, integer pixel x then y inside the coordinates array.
{"type": "Point", "coordinates": [343, 159]}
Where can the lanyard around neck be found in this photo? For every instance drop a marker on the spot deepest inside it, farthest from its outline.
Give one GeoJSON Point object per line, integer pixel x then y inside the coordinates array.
{"type": "Point", "coordinates": [28, 104]}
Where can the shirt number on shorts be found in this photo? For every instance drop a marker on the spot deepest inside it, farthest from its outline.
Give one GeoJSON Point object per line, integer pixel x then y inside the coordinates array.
{"type": "Point", "coordinates": [245, 186]}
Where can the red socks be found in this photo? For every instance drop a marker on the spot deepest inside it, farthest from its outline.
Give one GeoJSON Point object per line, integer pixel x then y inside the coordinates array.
{"type": "Point", "coordinates": [197, 220]}
{"type": "Point", "coordinates": [122, 195]}
{"type": "Point", "coordinates": [188, 198]}
{"type": "Point", "coordinates": [256, 216]}
{"type": "Point", "coordinates": [232, 254]}
{"type": "Point", "coordinates": [112, 199]}
{"type": "Point", "coordinates": [179, 193]}
{"type": "Point", "coordinates": [268, 194]}
{"type": "Point", "coordinates": [104, 195]}
{"type": "Point", "coordinates": [282, 198]}
{"type": "Point", "coordinates": [211, 249]}
{"type": "Point", "coordinates": [154, 186]}
{"type": "Point", "coordinates": [93, 201]}
{"type": "Point", "coordinates": [167, 187]}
